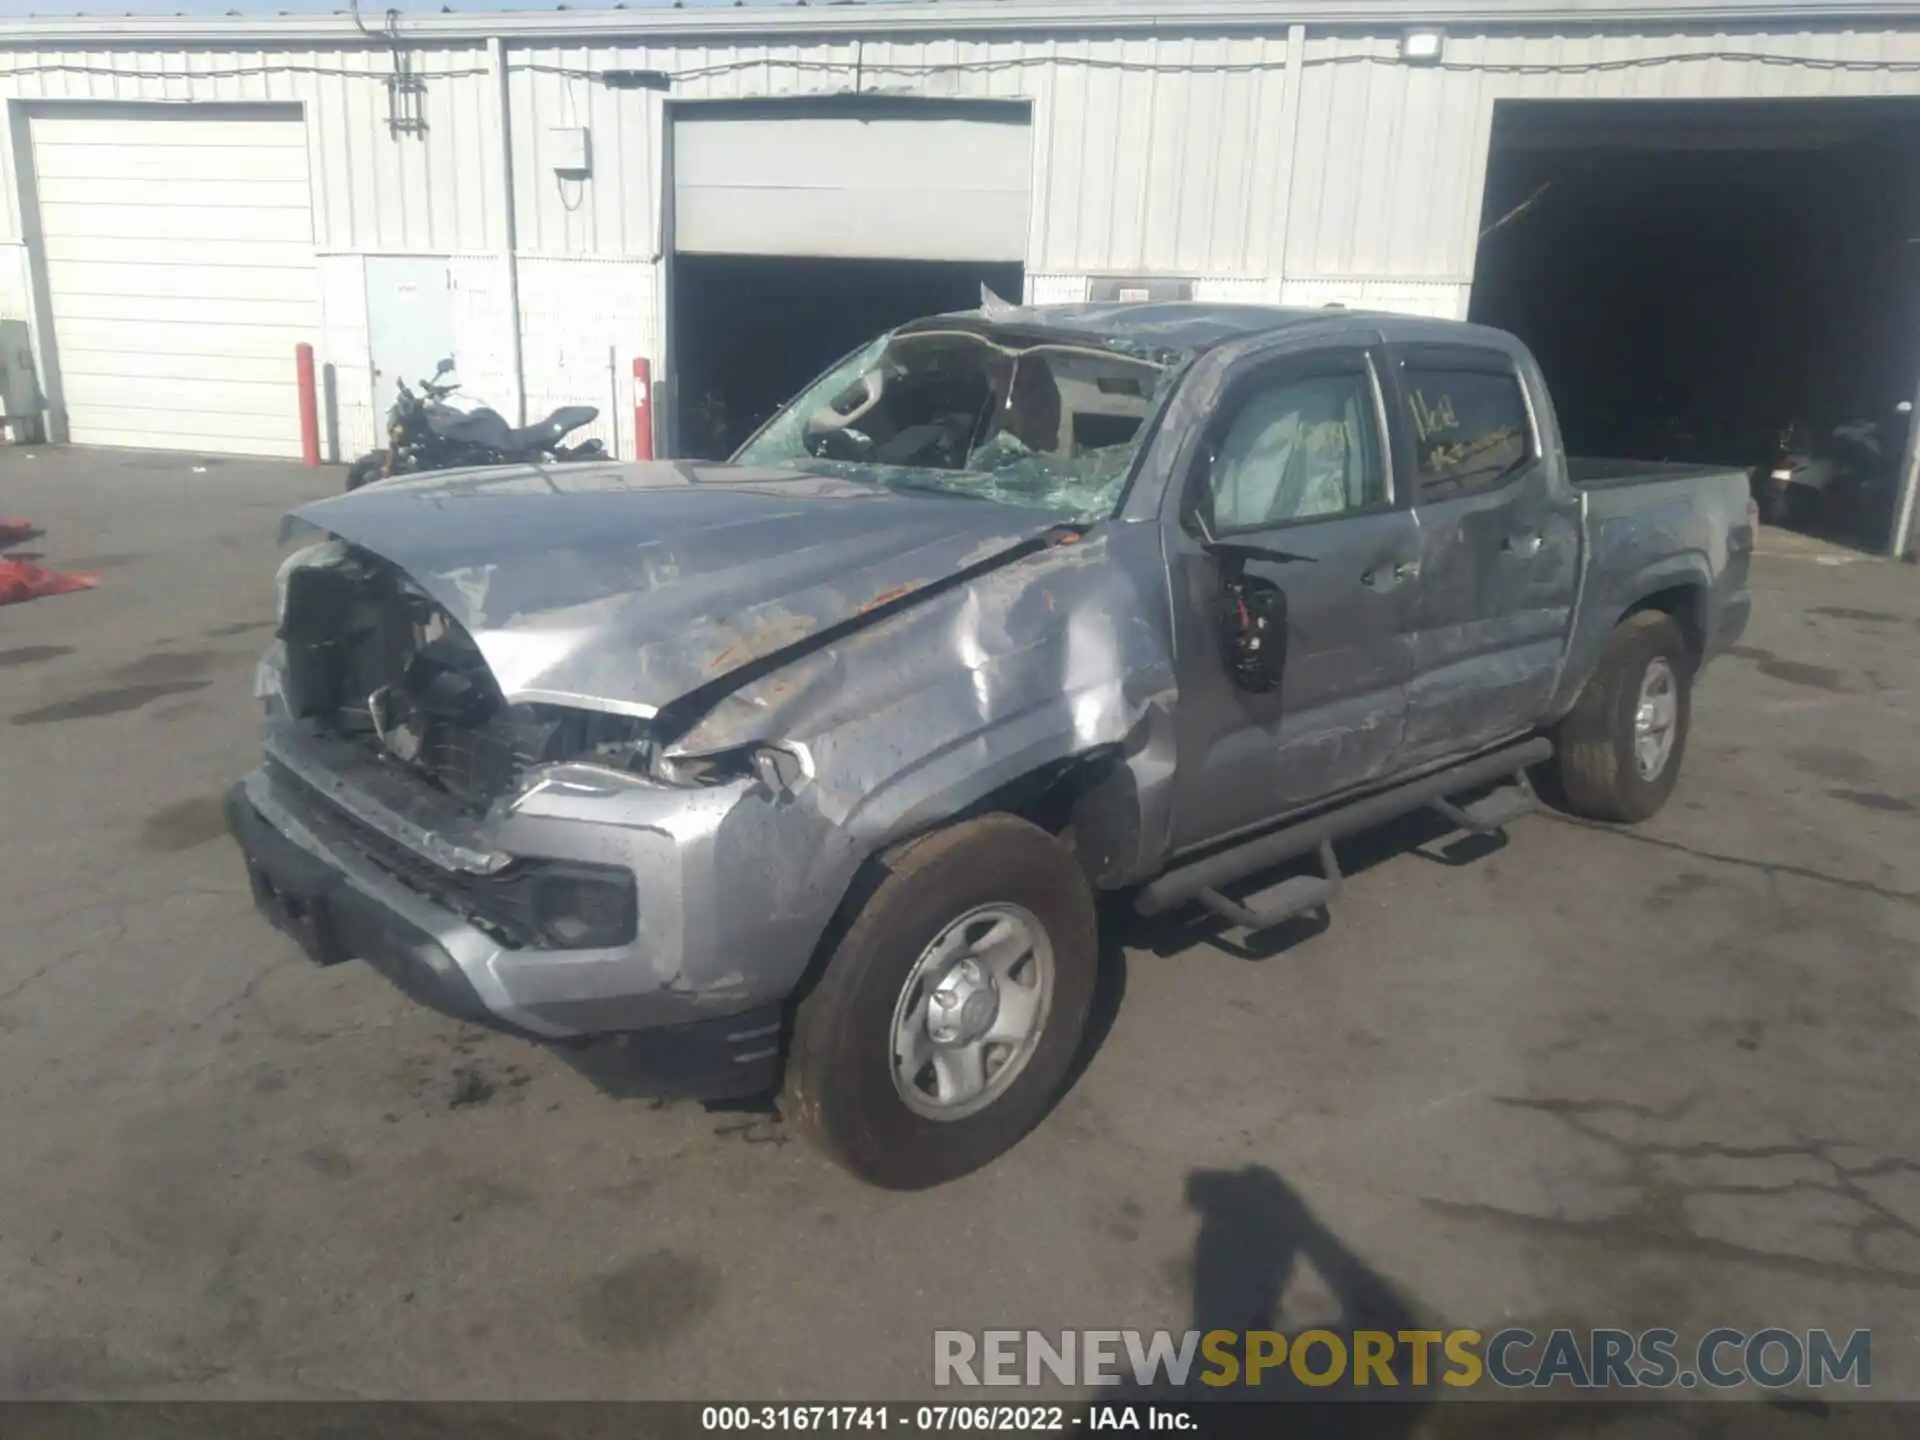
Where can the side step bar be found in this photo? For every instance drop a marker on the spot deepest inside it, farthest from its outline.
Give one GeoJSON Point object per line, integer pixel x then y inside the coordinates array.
{"type": "Point", "coordinates": [1201, 879]}
{"type": "Point", "coordinates": [1491, 814]}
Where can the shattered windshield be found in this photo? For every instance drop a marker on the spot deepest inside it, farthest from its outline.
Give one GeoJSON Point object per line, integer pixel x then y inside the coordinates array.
{"type": "Point", "coordinates": [976, 413]}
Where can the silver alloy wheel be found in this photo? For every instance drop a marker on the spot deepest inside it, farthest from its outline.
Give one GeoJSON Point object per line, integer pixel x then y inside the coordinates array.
{"type": "Point", "coordinates": [971, 1012]}
{"type": "Point", "coordinates": [1656, 718]}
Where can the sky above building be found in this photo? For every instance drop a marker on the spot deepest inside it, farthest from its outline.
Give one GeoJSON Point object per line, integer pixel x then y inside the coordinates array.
{"type": "Point", "coordinates": [372, 9]}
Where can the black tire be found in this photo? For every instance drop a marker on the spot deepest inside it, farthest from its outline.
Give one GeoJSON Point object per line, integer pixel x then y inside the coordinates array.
{"type": "Point", "coordinates": [367, 468]}
{"type": "Point", "coordinates": [840, 1088]}
{"type": "Point", "coordinates": [1597, 773]}
{"type": "Point", "coordinates": [1798, 507]}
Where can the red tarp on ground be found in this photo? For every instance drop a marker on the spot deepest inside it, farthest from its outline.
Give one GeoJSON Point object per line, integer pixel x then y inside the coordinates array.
{"type": "Point", "coordinates": [21, 580]}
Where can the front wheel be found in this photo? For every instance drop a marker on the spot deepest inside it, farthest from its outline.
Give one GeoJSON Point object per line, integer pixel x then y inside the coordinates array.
{"type": "Point", "coordinates": [1619, 749]}
{"type": "Point", "coordinates": [367, 468]}
{"type": "Point", "coordinates": [949, 1014]}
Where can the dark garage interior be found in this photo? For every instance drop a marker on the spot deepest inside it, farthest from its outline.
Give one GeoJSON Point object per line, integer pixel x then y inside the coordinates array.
{"type": "Point", "coordinates": [1696, 277]}
{"type": "Point", "coordinates": [750, 331]}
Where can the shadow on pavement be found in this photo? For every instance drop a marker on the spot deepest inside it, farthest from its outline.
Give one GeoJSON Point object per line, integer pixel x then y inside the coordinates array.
{"type": "Point", "coordinates": [1256, 1237]}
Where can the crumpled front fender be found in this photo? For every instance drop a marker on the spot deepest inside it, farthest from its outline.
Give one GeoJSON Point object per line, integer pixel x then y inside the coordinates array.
{"type": "Point", "coordinates": [1057, 656]}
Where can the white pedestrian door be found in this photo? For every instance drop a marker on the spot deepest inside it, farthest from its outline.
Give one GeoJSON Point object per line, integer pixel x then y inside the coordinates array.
{"type": "Point", "coordinates": [178, 246]}
{"type": "Point", "coordinates": [409, 323]}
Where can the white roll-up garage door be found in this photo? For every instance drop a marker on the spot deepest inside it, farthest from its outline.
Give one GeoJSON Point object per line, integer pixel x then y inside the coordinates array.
{"type": "Point", "coordinates": [178, 245]}
{"type": "Point", "coordinates": [901, 181]}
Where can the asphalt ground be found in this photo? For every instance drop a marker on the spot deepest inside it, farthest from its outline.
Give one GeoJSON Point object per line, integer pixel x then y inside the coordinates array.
{"type": "Point", "coordinates": [1659, 1077]}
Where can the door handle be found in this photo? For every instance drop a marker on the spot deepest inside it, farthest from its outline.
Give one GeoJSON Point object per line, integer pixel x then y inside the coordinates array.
{"type": "Point", "coordinates": [1521, 547]}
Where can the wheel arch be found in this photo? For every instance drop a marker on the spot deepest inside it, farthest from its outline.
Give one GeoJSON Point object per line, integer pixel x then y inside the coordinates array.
{"type": "Point", "coordinates": [1078, 799]}
{"type": "Point", "coordinates": [1685, 603]}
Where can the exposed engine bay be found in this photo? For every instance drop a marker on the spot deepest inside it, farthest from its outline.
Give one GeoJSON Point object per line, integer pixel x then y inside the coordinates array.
{"type": "Point", "coordinates": [373, 659]}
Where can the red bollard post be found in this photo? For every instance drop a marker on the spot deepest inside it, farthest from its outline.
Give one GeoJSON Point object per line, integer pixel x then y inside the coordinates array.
{"type": "Point", "coordinates": [309, 404]}
{"type": "Point", "coordinates": [642, 409]}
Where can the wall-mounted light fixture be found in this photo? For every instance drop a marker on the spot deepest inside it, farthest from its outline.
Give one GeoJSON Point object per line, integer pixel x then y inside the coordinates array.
{"type": "Point", "coordinates": [636, 79]}
{"type": "Point", "coordinates": [1422, 46]}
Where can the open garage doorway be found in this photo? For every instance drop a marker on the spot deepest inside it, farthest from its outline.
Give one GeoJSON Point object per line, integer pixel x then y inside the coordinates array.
{"type": "Point", "coordinates": [1715, 281]}
{"type": "Point", "coordinates": [804, 226]}
{"type": "Point", "coordinates": [750, 331]}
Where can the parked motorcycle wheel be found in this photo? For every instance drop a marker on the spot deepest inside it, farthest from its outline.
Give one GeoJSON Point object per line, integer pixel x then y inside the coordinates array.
{"type": "Point", "coordinates": [1789, 505]}
{"type": "Point", "coordinates": [367, 468]}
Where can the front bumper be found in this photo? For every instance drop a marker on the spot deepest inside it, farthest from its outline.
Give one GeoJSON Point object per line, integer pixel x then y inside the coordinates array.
{"type": "Point", "coordinates": [699, 994]}
{"type": "Point", "coordinates": [1734, 618]}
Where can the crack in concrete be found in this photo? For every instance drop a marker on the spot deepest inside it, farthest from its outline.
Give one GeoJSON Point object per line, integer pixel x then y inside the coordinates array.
{"type": "Point", "coordinates": [118, 926]}
{"type": "Point", "coordinates": [1766, 867]}
{"type": "Point", "coordinates": [1657, 1219]}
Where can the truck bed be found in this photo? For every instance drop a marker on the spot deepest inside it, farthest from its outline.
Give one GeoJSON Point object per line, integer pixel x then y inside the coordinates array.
{"type": "Point", "coordinates": [1590, 472]}
{"type": "Point", "coordinates": [1650, 524]}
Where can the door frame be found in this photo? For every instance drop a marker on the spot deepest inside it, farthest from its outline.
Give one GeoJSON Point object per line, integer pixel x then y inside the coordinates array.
{"type": "Point", "coordinates": [1539, 471]}
{"type": "Point", "coordinates": [1183, 548]}
{"type": "Point", "coordinates": [859, 104]}
{"type": "Point", "coordinates": [26, 171]}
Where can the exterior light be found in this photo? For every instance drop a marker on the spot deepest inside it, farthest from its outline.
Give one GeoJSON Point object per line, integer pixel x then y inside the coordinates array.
{"type": "Point", "coordinates": [636, 79]}
{"type": "Point", "coordinates": [1422, 47]}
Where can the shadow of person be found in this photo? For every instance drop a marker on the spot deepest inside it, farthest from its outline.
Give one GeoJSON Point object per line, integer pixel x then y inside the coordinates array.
{"type": "Point", "coordinates": [1255, 1236]}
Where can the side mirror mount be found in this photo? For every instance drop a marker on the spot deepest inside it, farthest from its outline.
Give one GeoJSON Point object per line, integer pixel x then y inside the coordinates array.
{"type": "Point", "coordinates": [1197, 522]}
{"type": "Point", "coordinates": [1196, 516]}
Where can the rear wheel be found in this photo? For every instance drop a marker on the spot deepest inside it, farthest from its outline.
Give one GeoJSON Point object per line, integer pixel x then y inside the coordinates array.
{"type": "Point", "coordinates": [948, 1015]}
{"type": "Point", "coordinates": [1619, 748]}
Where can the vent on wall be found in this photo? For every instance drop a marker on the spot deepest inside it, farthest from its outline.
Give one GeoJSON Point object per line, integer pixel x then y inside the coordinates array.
{"type": "Point", "coordinates": [1129, 289]}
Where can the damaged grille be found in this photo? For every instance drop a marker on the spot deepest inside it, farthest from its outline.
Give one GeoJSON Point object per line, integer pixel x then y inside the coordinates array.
{"type": "Point", "coordinates": [373, 660]}
{"type": "Point", "coordinates": [495, 904]}
{"type": "Point", "coordinates": [536, 903]}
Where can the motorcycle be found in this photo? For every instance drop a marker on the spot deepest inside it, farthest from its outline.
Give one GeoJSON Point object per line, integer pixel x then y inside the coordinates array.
{"type": "Point", "coordinates": [426, 433]}
{"type": "Point", "coordinates": [1846, 477]}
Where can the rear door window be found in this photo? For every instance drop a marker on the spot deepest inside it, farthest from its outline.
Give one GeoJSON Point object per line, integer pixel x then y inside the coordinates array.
{"type": "Point", "coordinates": [1468, 426]}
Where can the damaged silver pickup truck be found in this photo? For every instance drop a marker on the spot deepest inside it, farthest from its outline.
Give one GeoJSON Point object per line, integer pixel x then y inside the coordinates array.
{"type": "Point", "coordinates": [804, 771]}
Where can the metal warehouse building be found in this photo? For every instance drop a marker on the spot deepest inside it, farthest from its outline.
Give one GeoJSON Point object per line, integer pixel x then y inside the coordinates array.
{"type": "Point", "coordinates": [1699, 212]}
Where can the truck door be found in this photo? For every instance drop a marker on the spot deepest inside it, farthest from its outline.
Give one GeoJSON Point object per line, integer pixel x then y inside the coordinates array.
{"type": "Point", "coordinates": [1289, 565]}
{"type": "Point", "coordinates": [1499, 549]}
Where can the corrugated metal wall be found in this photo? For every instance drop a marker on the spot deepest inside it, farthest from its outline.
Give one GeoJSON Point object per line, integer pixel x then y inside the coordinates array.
{"type": "Point", "coordinates": [1154, 154]}
{"type": "Point", "coordinates": [1173, 154]}
{"type": "Point", "coordinates": [1347, 176]}
{"type": "Point", "coordinates": [1168, 166]}
{"type": "Point", "coordinates": [1392, 158]}
{"type": "Point", "coordinates": [436, 193]}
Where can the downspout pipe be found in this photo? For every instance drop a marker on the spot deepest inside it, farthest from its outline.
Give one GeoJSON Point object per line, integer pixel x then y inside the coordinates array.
{"type": "Point", "coordinates": [509, 231]}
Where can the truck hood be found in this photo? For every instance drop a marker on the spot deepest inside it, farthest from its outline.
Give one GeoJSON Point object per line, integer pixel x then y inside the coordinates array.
{"type": "Point", "coordinates": [623, 587]}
